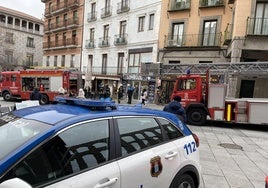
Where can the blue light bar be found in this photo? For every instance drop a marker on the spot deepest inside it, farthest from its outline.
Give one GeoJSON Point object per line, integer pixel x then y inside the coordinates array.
{"type": "Point", "coordinates": [92, 104]}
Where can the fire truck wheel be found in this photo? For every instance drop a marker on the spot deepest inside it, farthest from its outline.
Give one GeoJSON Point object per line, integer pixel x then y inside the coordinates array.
{"type": "Point", "coordinates": [6, 96]}
{"type": "Point", "coordinates": [196, 116]}
{"type": "Point", "coordinates": [44, 99]}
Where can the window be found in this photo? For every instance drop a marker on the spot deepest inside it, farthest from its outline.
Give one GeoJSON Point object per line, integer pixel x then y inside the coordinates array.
{"type": "Point", "coordinates": [29, 60]}
{"type": "Point", "coordinates": [141, 23]}
{"type": "Point", "coordinates": [30, 42]}
{"type": "Point", "coordinates": [9, 38]}
{"type": "Point", "coordinates": [47, 61]}
{"type": "Point", "coordinates": [75, 15]}
{"type": "Point", "coordinates": [72, 61]}
{"type": "Point", "coordinates": [93, 11]}
{"type": "Point", "coordinates": [63, 61]}
{"type": "Point", "coordinates": [37, 27]}
{"type": "Point", "coordinates": [261, 19]}
{"type": "Point", "coordinates": [81, 147]}
{"type": "Point", "coordinates": [177, 34]}
{"type": "Point", "coordinates": [9, 56]}
{"type": "Point", "coordinates": [187, 84]}
{"type": "Point", "coordinates": [55, 61]}
{"type": "Point", "coordinates": [138, 133]}
{"type": "Point", "coordinates": [104, 64]}
{"type": "Point", "coordinates": [10, 20]}
{"type": "Point", "coordinates": [209, 33]}
{"type": "Point", "coordinates": [123, 25]}
{"type": "Point", "coordinates": [134, 63]}
{"type": "Point", "coordinates": [57, 20]}
{"type": "Point", "coordinates": [106, 32]}
{"type": "Point", "coordinates": [91, 34]}
{"type": "Point", "coordinates": [65, 19]}
{"type": "Point", "coordinates": [120, 63]}
{"type": "Point", "coordinates": [151, 22]}
{"type": "Point", "coordinates": [171, 130]}
{"type": "Point", "coordinates": [30, 25]}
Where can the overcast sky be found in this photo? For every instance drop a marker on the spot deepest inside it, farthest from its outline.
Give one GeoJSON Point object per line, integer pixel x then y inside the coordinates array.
{"type": "Point", "coordinates": [32, 7]}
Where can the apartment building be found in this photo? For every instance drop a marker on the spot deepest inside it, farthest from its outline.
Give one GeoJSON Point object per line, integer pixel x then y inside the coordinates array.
{"type": "Point", "coordinates": [21, 40]}
{"type": "Point", "coordinates": [247, 31]}
{"type": "Point", "coordinates": [63, 33]}
{"type": "Point", "coordinates": [211, 31]}
{"type": "Point", "coordinates": [120, 41]}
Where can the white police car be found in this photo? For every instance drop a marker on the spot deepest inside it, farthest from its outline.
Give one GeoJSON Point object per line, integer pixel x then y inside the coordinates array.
{"type": "Point", "coordinates": [83, 143]}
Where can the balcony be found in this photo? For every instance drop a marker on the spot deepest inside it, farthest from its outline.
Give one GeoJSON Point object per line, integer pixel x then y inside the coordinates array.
{"type": "Point", "coordinates": [104, 42]}
{"type": "Point", "coordinates": [228, 34]}
{"type": "Point", "coordinates": [198, 40]}
{"type": "Point", "coordinates": [109, 71]}
{"type": "Point", "coordinates": [59, 8]}
{"type": "Point", "coordinates": [61, 44]}
{"type": "Point", "coordinates": [182, 5]}
{"type": "Point", "coordinates": [92, 16]}
{"type": "Point", "coordinates": [257, 26]}
{"type": "Point", "coordinates": [90, 44]}
{"type": "Point", "coordinates": [123, 7]}
{"type": "Point", "coordinates": [120, 39]}
{"type": "Point", "coordinates": [211, 3]}
{"type": "Point", "coordinates": [106, 12]}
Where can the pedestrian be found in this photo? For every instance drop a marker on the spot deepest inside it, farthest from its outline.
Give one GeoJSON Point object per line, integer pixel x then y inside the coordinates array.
{"type": "Point", "coordinates": [36, 95]}
{"type": "Point", "coordinates": [130, 90]}
{"type": "Point", "coordinates": [144, 96]}
{"type": "Point", "coordinates": [81, 94]}
{"type": "Point", "coordinates": [175, 107]}
{"type": "Point", "coordinates": [119, 93]}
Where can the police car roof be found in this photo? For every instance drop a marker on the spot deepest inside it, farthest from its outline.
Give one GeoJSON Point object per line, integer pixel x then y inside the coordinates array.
{"type": "Point", "coordinates": [73, 109]}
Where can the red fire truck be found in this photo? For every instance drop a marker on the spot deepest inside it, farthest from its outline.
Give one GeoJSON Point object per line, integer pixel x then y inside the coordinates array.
{"type": "Point", "coordinates": [227, 92]}
{"type": "Point", "coordinates": [20, 84]}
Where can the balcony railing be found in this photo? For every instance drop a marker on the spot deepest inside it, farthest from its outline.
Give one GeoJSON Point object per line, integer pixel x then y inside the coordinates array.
{"type": "Point", "coordinates": [61, 25]}
{"type": "Point", "coordinates": [106, 12]}
{"type": "Point", "coordinates": [123, 6]}
{"type": "Point", "coordinates": [90, 44]}
{"type": "Point", "coordinates": [98, 70]}
{"type": "Point", "coordinates": [120, 39]}
{"type": "Point", "coordinates": [181, 5]}
{"type": "Point", "coordinates": [92, 16]}
{"type": "Point", "coordinates": [211, 3]}
{"type": "Point", "coordinates": [228, 34]}
{"type": "Point", "coordinates": [198, 40]}
{"type": "Point", "coordinates": [257, 26]}
{"type": "Point", "coordinates": [71, 42]}
{"type": "Point", "coordinates": [104, 42]}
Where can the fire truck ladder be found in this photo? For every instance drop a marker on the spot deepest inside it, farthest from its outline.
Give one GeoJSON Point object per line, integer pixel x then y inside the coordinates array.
{"type": "Point", "coordinates": [257, 68]}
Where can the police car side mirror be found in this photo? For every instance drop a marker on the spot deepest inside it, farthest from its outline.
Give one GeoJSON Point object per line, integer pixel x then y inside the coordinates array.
{"type": "Point", "coordinates": [15, 183]}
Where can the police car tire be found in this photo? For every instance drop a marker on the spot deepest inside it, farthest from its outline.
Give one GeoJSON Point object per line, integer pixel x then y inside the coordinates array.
{"type": "Point", "coordinates": [183, 180]}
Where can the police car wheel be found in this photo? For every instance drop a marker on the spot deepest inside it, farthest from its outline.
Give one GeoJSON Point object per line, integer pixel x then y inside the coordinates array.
{"type": "Point", "coordinates": [183, 181]}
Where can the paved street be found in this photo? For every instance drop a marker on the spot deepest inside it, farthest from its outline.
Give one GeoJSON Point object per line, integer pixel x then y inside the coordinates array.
{"type": "Point", "coordinates": [231, 157]}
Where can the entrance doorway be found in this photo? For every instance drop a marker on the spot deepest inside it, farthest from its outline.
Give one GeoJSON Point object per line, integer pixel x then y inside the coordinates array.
{"type": "Point", "coordinates": [247, 89]}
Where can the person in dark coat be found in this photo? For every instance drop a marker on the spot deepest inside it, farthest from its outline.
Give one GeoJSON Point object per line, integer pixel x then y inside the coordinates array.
{"type": "Point", "coordinates": [130, 91]}
{"type": "Point", "coordinates": [35, 95]}
{"type": "Point", "coordinates": [176, 108]}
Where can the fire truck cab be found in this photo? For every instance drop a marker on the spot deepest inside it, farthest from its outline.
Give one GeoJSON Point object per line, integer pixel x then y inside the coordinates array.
{"type": "Point", "coordinates": [20, 84]}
